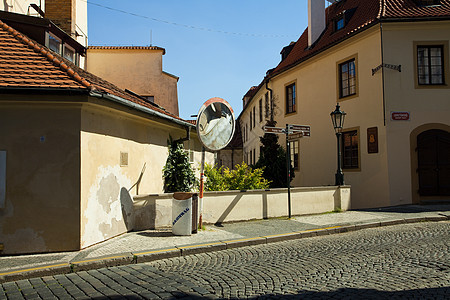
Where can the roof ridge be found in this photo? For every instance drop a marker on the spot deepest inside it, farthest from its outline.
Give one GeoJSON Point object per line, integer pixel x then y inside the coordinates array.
{"type": "Point", "coordinates": [46, 53]}
{"type": "Point", "coordinates": [382, 10]}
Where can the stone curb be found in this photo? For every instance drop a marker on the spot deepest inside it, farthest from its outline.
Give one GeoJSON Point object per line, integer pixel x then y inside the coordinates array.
{"type": "Point", "coordinates": [152, 255]}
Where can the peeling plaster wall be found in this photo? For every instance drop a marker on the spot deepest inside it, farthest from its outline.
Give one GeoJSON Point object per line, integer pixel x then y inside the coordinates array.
{"type": "Point", "coordinates": [41, 211]}
{"type": "Point", "coordinates": [108, 185]}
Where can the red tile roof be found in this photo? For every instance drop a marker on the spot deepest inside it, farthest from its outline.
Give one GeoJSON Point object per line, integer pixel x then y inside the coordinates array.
{"type": "Point", "coordinates": [410, 9]}
{"type": "Point", "coordinates": [26, 64]}
{"type": "Point", "coordinates": [366, 13]}
{"type": "Point", "coordinates": [127, 48]}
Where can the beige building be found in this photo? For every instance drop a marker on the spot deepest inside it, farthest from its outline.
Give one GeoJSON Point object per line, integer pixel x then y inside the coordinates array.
{"type": "Point", "coordinates": [74, 150]}
{"type": "Point", "coordinates": [387, 64]}
{"type": "Point", "coordinates": [148, 79]}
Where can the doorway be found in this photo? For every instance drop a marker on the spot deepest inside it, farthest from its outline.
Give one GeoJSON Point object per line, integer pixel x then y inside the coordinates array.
{"type": "Point", "coordinates": [433, 153]}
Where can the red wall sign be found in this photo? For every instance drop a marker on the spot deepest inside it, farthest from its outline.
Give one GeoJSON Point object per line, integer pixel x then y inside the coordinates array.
{"type": "Point", "coordinates": [400, 116]}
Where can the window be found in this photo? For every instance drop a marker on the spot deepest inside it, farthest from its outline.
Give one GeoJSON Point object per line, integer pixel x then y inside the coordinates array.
{"type": "Point", "coordinates": [254, 156]}
{"type": "Point", "coordinates": [266, 105]}
{"type": "Point", "coordinates": [347, 78]}
{"type": "Point", "coordinates": [254, 116]}
{"type": "Point", "coordinates": [290, 98]}
{"type": "Point", "coordinates": [295, 154]}
{"type": "Point", "coordinates": [260, 111]}
{"type": "Point", "coordinates": [189, 149]}
{"type": "Point", "coordinates": [150, 99]}
{"type": "Point", "coordinates": [339, 23]}
{"type": "Point", "coordinates": [54, 43]}
{"type": "Point", "coordinates": [251, 120]}
{"type": "Point", "coordinates": [430, 65]}
{"type": "Point", "coordinates": [428, 2]}
{"type": "Point", "coordinates": [246, 132]}
{"type": "Point", "coordinates": [350, 150]}
{"type": "Point", "coordinates": [69, 53]}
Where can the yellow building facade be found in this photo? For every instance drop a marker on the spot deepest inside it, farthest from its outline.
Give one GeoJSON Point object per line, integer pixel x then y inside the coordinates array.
{"type": "Point", "coordinates": [147, 79]}
{"type": "Point", "coordinates": [371, 67]}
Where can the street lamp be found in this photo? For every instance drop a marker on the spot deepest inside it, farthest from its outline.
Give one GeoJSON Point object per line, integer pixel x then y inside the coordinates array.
{"type": "Point", "coordinates": [337, 117]}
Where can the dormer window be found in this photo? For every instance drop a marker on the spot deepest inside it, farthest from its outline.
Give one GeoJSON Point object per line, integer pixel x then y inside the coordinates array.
{"type": "Point", "coordinates": [58, 46]}
{"type": "Point", "coordinates": [339, 23]}
{"type": "Point", "coordinates": [343, 18]}
{"type": "Point", "coordinates": [54, 43]}
{"type": "Point", "coordinates": [427, 2]}
{"type": "Point", "coordinates": [69, 53]}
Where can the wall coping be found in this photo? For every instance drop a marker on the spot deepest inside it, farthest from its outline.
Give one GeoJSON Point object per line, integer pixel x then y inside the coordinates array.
{"type": "Point", "coordinates": [273, 191]}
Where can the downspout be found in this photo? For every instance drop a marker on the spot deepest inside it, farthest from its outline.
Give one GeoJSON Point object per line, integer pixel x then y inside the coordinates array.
{"type": "Point", "coordinates": [187, 138]}
{"type": "Point", "coordinates": [382, 73]}
{"type": "Point", "coordinates": [270, 98]}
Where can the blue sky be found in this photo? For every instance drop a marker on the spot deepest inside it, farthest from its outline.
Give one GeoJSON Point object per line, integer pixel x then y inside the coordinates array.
{"type": "Point", "coordinates": [219, 49]}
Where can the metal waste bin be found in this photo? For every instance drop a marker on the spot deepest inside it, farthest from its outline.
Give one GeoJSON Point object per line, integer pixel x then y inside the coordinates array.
{"type": "Point", "coordinates": [182, 213]}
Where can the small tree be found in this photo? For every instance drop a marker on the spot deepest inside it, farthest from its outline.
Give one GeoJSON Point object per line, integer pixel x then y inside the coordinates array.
{"type": "Point", "coordinates": [177, 173]}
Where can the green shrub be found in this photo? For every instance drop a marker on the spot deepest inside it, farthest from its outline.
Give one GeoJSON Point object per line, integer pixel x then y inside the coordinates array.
{"type": "Point", "coordinates": [241, 178]}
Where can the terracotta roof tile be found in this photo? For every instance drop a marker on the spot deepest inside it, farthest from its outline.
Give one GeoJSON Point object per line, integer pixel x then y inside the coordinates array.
{"type": "Point", "coordinates": [410, 9]}
{"type": "Point", "coordinates": [366, 13]}
{"type": "Point", "coordinates": [27, 64]}
{"type": "Point", "coordinates": [128, 48]}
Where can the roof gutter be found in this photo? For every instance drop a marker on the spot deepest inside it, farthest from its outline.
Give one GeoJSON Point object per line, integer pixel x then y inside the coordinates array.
{"type": "Point", "coordinates": [140, 108]}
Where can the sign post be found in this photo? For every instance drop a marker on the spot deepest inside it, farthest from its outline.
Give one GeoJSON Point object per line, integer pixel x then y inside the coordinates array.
{"type": "Point", "coordinates": [292, 132]}
{"type": "Point", "coordinates": [288, 167]}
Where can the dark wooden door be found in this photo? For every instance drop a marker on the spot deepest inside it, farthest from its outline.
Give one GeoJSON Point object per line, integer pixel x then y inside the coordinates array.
{"type": "Point", "coordinates": [433, 149]}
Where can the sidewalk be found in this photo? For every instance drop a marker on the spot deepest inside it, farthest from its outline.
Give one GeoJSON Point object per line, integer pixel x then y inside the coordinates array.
{"type": "Point", "coordinates": [144, 246]}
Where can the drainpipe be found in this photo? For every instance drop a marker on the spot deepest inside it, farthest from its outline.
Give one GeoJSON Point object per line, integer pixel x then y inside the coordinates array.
{"type": "Point", "coordinates": [187, 138]}
{"type": "Point", "coordinates": [270, 98]}
{"type": "Point", "coordinates": [382, 73]}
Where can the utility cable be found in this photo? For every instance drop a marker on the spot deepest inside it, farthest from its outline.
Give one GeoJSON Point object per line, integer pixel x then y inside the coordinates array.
{"type": "Point", "coordinates": [184, 25]}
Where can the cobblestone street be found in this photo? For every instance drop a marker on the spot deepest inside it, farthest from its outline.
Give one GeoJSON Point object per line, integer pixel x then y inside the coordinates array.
{"type": "Point", "coordinates": [408, 261]}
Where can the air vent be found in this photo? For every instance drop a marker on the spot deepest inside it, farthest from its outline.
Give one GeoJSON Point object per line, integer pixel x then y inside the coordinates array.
{"type": "Point", "coordinates": [123, 159]}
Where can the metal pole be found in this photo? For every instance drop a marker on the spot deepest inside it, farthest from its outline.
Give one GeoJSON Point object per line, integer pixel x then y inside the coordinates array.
{"type": "Point", "coordinates": [339, 175]}
{"type": "Point", "coordinates": [288, 167]}
{"type": "Point", "coordinates": [202, 169]}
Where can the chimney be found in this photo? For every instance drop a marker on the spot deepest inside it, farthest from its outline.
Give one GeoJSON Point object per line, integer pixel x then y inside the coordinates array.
{"type": "Point", "coordinates": [316, 20]}
{"type": "Point", "coordinates": [62, 13]}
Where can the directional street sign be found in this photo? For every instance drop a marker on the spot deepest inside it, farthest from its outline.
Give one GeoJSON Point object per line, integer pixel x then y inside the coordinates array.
{"type": "Point", "coordinates": [294, 136]}
{"type": "Point", "coordinates": [276, 130]}
{"type": "Point", "coordinates": [306, 129]}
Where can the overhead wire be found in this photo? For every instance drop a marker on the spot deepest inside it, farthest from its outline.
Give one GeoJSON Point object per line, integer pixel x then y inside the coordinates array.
{"type": "Point", "coordinates": [185, 25]}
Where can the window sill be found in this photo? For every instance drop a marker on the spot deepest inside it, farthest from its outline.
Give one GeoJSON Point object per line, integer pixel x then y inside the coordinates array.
{"type": "Point", "coordinates": [431, 86]}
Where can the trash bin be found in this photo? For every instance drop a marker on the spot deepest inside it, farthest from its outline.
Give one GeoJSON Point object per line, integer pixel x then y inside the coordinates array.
{"type": "Point", "coordinates": [182, 213]}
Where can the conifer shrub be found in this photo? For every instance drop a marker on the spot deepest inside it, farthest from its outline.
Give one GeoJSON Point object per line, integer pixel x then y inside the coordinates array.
{"type": "Point", "coordinates": [178, 174]}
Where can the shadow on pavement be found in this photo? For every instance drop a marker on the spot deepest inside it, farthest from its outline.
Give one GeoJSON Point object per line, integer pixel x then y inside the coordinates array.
{"type": "Point", "coordinates": [156, 233]}
{"type": "Point", "coordinates": [408, 209]}
{"type": "Point", "coordinates": [344, 293]}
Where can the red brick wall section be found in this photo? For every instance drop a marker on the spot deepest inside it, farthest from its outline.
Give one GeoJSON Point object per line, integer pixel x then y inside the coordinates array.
{"type": "Point", "coordinates": [62, 13]}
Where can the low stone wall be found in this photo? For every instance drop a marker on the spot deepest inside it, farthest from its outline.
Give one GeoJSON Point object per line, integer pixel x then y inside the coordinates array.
{"type": "Point", "coordinates": [155, 210]}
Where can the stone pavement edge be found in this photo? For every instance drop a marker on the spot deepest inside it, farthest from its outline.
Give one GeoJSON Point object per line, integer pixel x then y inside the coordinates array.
{"type": "Point", "coordinates": [150, 245]}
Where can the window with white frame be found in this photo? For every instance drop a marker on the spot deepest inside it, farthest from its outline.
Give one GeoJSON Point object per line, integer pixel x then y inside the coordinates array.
{"type": "Point", "coordinates": [54, 43]}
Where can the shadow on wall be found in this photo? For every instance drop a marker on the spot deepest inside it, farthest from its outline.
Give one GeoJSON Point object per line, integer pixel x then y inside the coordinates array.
{"type": "Point", "coordinates": [228, 210]}
{"type": "Point", "coordinates": [126, 202]}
